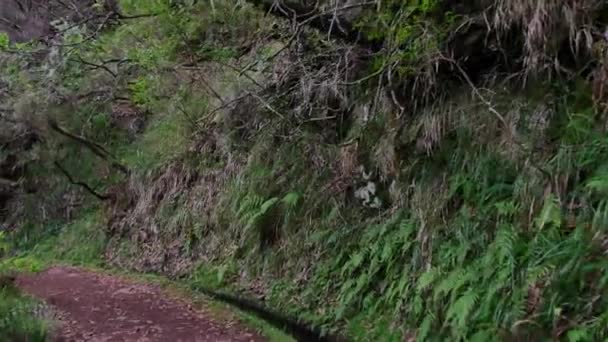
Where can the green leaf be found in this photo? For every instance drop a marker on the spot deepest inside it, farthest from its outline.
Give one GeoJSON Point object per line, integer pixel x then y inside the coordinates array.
{"type": "Point", "coordinates": [356, 260]}
{"type": "Point", "coordinates": [483, 336]}
{"type": "Point", "coordinates": [507, 208]}
{"type": "Point", "coordinates": [4, 41]}
{"type": "Point", "coordinates": [550, 214]}
{"type": "Point", "coordinates": [459, 312]}
{"type": "Point", "coordinates": [267, 205]}
{"type": "Point", "coordinates": [427, 278]}
{"type": "Point", "coordinates": [291, 199]}
{"type": "Point", "coordinates": [220, 273]}
{"type": "Point", "coordinates": [577, 335]}
{"type": "Point", "coordinates": [425, 327]}
{"type": "Point", "coordinates": [454, 281]}
{"type": "Point", "coordinates": [598, 183]}
{"type": "Point", "coordinates": [387, 252]}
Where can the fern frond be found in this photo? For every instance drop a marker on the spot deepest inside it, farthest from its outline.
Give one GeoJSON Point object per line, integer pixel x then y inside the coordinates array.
{"type": "Point", "coordinates": [578, 335]}
{"type": "Point", "coordinates": [458, 313]}
{"type": "Point", "coordinates": [427, 278]}
{"type": "Point", "coordinates": [425, 327]}
{"type": "Point", "coordinates": [598, 183]}
{"type": "Point", "coordinates": [261, 211]}
{"type": "Point", "coordinates": [291, 200]}
{"type": "Point", "coordinates": [600, 216]}
{"type": "Point", "coordinates": [483, 336]}
{"type": "Point", "coordinates": [452, 282]}
{"type": "Point", "coordinates": [504, 244]}
{"type": "Point", "coordinates": [550, 214]}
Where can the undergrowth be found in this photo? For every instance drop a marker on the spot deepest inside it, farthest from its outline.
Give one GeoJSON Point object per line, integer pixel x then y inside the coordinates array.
{"type": "Point", "coordinates": [481, 216]}
{"type": "Point", "coordinates": [21, 318]}
{"type": "Point", "coordinates": [17, 320]}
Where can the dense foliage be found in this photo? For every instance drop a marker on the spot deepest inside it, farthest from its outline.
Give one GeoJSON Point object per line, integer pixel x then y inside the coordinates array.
{"type": "Point", "coordinates": [441, 174]}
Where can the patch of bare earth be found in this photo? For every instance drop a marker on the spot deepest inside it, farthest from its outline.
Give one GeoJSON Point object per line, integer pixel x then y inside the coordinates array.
{"type": "Point", "coordinates": [98, 307]}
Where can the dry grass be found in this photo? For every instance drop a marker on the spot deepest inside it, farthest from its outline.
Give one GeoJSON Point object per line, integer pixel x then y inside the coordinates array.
{"type": "Point", "coordinates": [545, 26]}
{"type": "Point", "coordinates": [600, 85]}
{"type": "Point", "coordinates": [387, 158]}
{"type": "Point", "coordinates": [433, 125]}
{"type": "Point", "coordinates": [317, 82]}
{"type": "Point", "coordinates": [158, 216]}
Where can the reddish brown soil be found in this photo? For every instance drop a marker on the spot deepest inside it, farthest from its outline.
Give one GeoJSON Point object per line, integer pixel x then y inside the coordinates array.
{"type": "Point", "coordinates": [97, 307]}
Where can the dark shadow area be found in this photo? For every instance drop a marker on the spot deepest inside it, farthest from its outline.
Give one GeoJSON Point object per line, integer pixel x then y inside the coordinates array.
{"type": "Point", "coordinates": [301, 331]}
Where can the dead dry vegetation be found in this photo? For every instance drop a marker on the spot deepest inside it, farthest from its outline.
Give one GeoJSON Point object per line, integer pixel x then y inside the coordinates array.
{"type": "Point", "coordinates": [383, 169]}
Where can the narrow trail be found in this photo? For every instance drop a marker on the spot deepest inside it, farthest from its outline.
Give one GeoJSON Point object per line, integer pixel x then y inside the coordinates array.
{"type": "Point", "coordinates": [98, 307]}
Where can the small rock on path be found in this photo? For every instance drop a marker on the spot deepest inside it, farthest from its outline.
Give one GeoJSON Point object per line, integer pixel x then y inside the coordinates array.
{"type": "Point", "coordinates": [98, 307]}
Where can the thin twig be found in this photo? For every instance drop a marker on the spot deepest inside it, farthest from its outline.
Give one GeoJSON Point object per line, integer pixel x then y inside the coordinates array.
{"type": "Point", "coordinates": [229, 103]}
{"type": "Point", "coordinates": [370, 76]}
{"type": "Point", "coordinates": [267, 105]}
{"type": "Point", "coordinates": [478, 93]}
{"type": "Point", "coordinates": [95, 66]}
{"type": "Point", "coordinates": [81, 184]}
{"type": "Point", "coordinates": [240, 73]}
{"type": "Point", "coordinates": [324, 118]}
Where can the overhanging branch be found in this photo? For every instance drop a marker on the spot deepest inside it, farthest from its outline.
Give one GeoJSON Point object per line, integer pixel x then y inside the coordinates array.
{"type": "Point", "coordinates": [80, 184]}
{"type": "Point", "coordinates": [94, 147]}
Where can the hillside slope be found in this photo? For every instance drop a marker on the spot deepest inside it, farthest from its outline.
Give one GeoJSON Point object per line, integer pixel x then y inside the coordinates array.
{"type": "Point", "coordinates": [382, 169]}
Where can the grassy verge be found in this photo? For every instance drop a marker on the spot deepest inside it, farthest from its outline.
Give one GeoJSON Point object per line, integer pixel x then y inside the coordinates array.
{"type": "Point", "coordinates": [21, 318]}
{"type": "Point", "coordinates": [17, 319]}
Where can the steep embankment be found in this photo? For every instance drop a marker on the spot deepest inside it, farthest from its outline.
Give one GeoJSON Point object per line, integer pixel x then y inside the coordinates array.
{"type": "Point", "coordinates": [386, 169]}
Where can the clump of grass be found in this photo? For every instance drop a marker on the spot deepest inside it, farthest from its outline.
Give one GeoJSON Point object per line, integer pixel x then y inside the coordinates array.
{"type": "Point", "coordinates": [165, 138]}
{"type": "Point", "coordinates": [82, 242]}
{"type": "Point", "coordinates": [21, 264]}
{"type": "Point", "coordinates": [18, 321]}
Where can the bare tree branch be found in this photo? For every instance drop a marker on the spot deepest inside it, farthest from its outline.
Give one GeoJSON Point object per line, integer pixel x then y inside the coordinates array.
{"type": "Point", "coordinates": [94, 147]}
{"type": "Point", "coordinates": [93, 65]}
{"type": "Point", "coordinates": [80, 184]}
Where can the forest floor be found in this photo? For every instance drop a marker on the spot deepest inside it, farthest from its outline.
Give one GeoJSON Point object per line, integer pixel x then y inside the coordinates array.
{"type": "Point", "coordinates": [91, 306]}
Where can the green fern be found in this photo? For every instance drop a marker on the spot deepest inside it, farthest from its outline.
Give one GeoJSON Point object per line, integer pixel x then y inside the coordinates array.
{"type": "Point", "coordinates": [600, 216]}
{"type": "Point", "coordinates": [451, 283]}
{"type": "Point", "coordinates": [427, 278]}
{"type": "Point", "coordinates": [425, 327]}
{"type": "Point", "coordinates": [263, 209]}
{"type": "Point", "coordinates": [504, 244]}
{"type": "Point", "coordinates": [598, 183]}
{"type": "Point", "coordinates": [248, 207]}
{"type": "Point", "coordinates": [458, 313]}
{"type": "Point", "coordinates": [578, 335]}
{"type": "Point", "coordinates": [291, 200]}
{"type": "Point", "coordinates": [483, 336]}
{"type": "Point", "coordinates": [550, 214]}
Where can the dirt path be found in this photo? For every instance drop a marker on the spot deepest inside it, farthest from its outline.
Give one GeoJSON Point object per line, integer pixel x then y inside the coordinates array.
{"type": "Point", "coordinates": [97, 307]}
